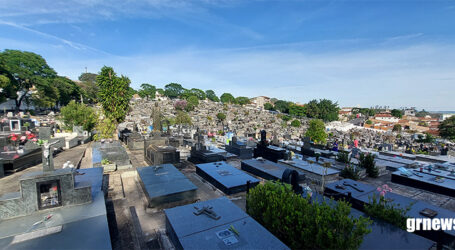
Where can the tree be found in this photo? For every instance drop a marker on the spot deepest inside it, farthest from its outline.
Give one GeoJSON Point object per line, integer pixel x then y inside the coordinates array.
{"type": "Point", "coordinates": [316, 131]}
{"type": "Point", "coordinates": [227, 98]}
{"type": "Point", "coordinates": [296, 110]}
{"type": "Point", "coordinates": [193, 101]}
{"type": "Point", "coordinates": [160, 91]}
{"type": "Point", "coordinates": [147, 91]}
{"type": "Point", "coordinates": [113, 94]}
{"type": "Point", "coordinates": [68, 90]}
{"type": "Point", "coordinates": [200, 94]}
{"type": "Point", "coordinates": [396, 128]}
{"type": "Point", "coordinates": [212, 96]}
{"type": "Point", "coordinates": [46, 95]}
{"type": "Point", "coordinates": [89, 87]}
{"type": "Point", "coordinates": [268, 106]}
{"type": "Point", "coordinates": [282, 106]}
{"type": "Point", "coordinates": [328, 110]}
{"type": "Point", "coordinates": [286, 118]}
{"type": "Point", "coordinates": [242, 100]}
{"type": "Point", "coordinates": [312, 109]}
{"type": "Point", "coordinates": [295, 123]}
{"type": "Point", "coordinates": [25, 70]}
{"type": "Point", "coordinates": [369, 122]}
{"type": "Point", "coordinates": [397, 113]}
{"type": "Point", "coordinates": [78, 114]}
{"type": "Point", "coordinates": [422, 113]}
{"type": "Point", "coordinates": [447, 128]}
{"type": "Point", "coordinates": [182, 118]}
{"type": "Point", "coordinates": [173, 90]}
{"type": "Point", "coordinates": [221, 116]}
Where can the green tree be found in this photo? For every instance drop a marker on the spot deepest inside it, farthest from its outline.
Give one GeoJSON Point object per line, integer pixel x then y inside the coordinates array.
{"type": "Point", "coordinates": [268, 106]}
{"type": "Point", "coordinates": [296, 110]}
{"type": "Point", "coordinates": [173, 90]}
{"type": "Point", "coordinates": [113, 94]}
{"type": "Point", "coordinates": [147, 91]}
{"type": "Point", "coordinates": [89, 87]}
{"type": "Point", "coordinates": [282, 106]}
{"type": "Point", "coordinates": [447, 128]}
{"type": "Point", "coordinates": [182, 118]}
{"type": "Point", "coordinates": [193, 102]}
{"type": "Point", "coordinates": [295, 123]}
{"type": "Point", "coordinates": [312, 109]}
{"type": "Point", "coordinates": [221, 116]}
{"type": "Point", "coordinates": [78, 114]}
{"type": "Point", "coordinates": [46, 95]}
{"type": "Point", "coordinates": [227, 98]}
{"type": "Point", "coordinates": [68, 90]}
{"type": "Point", "coordinates": [160, 91]}
{"type": "Point", "coordinates": [25, 70]}
{"type": "Point", "coordinates": [328, 110]}
{"type": "Point", "coordinates": [396, 128]}
{"type": "Point", "coordinates": [316, 131]}
{"type": "Point", "coordinates": [212, 96]}
{"type": "Point", "coordinates": [242, 100]}
{"type": "Point", "coordinates": [422, 113]}
{"type": "Point", "coordinates": [286, 118]}
{"type": "Point", "coordinates": [369, 122]}
{"type": "Point", "coordinates": [200, 94]}
{"type": "Point", "coordinates": [397, 113]}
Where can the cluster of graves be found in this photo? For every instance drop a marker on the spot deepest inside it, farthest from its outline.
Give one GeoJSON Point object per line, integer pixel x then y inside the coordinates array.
{"type": "Point", "coordinates": [19, 135]}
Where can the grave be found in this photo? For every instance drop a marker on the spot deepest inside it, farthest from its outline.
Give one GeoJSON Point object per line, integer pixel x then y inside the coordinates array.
{"type": "Point", "coordinates": [16, 160]}
{"type": "Point", "coordinates": [70, 224]}
{"type": "Point", "coordinates": [206, 225]}
{"type": "Point", "coordinates": [225, 177]}
{"type": "Point", "coordinates": [135, 141]}
{"type": "Point", "coordinates": [164, 185]}
{"type": "Point", "coordinates": [111, 151]}
{"type": "Point", "coordinates": [239, 148]}
{"type": "Point", "coordinates": [306, 147]}
{"type": "Point", "coordinates": [44, 133]}
{"type": "Point", "coordinates": [269, 152]}
{"type": "Point", "coordinates": [156, 155]}
{"type": "Point", "coordinates": [360, 194]}
{"type": "Point", "coordinates": [2, 171]}
{"type": "Point", "coordinates": [203, 154]}
{"type": "Point", "coordinates": [396, 238]}
{"type": "Point", "coordinates": [123, 135]}
{"type": "Point", "coordinates": [313, 171]}
{"type": "Point", "coordinates": [430, 181]}
{"type": "Point", "coordinates": [266, 169]}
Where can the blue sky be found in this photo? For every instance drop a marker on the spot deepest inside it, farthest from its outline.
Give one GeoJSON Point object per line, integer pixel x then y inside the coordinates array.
{"type": "Point", "coordinates": [359, 53]}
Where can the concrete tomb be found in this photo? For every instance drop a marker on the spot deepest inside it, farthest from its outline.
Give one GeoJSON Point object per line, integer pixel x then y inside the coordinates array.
{"type": "Point", "coordinates": [217, 224]}
{"type": "Point", "coordinates": [269, 152]}
{"type": "Point", "coordinates": [225, 177]}
{"type": "Point", "coordinates": [165, 185]}
{"type": "Point", "coordinates": [239, 148]}
{"type": "Point", "coordinates": [266, 169]}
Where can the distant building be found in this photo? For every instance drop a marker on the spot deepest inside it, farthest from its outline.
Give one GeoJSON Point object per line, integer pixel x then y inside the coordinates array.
{"type": "Point", "coordinates": [260, 101]}
{"type": "Point", "coordinates": [410, 112]}
{"type": "Point", "coordinates": [443, 117]}
{"type": "Point", "coordinates": [386, 117]}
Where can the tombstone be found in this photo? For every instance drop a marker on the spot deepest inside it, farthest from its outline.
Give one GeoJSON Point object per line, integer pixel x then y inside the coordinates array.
{"type": "Point", "coordinates": [239, 148]}
{"type": "Point", "coordinates": [306, 147]}
{"type": "Point", "coordinates": [44, 133]}
{"type": "Point", "coordinates": [268, 152]}
{"type": "Point", "coordinates": [2, 171]}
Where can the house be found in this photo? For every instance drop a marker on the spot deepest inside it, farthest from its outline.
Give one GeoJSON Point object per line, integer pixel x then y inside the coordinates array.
{"type": "Point", "coordinates": [386, 117]}
{"type": "Point", "coordinates": [260, 101]}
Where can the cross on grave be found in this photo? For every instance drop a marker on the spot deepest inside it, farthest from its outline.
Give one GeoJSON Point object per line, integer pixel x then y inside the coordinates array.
{"type": "Point", "coordinates": [48, 158]}
{"type": "Point", "coordinates": [207, 210]}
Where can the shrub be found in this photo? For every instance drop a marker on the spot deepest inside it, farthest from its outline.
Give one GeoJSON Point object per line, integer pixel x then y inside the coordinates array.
{"type": "Point", "coordinates": [366, 161]}
{"type": "Point", "coordinates": [78, 114]}
{"type": "Point", "coordinates": [384, 209]}
{"type": "Point", "coordinates": [105, 162]}
{"type": "Point", "coordinates": [105, 129]}
{"type": "Point", "coordinates": [350, 172]}
{"type": "Point", "coordinates": [343, 157]}
{"type": "Point", "coordinates": [301, 224]}
{"type": "Point", "coordinates": [295, 123]}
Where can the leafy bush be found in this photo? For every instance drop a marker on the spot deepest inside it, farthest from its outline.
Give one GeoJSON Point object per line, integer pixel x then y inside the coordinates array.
{"type": "Point", "coordinates": [343, 157]}
{"type": "Point", "coordinates": [366, 161]}
{"type": "Point", "coordinates": [350, 172]}
{"type": "Point", "coordinates": [78, 114]}
{"type": "Point", "coordinates": [302, 224]}
{"type": "Point", "coordinates": [105, 129]}
{"type": "Point", "coordinates": [384, 209]}
{"type": "Point", "coordinates": [105, 162]}
{"type": "Point", "coordinates": [295, 123]}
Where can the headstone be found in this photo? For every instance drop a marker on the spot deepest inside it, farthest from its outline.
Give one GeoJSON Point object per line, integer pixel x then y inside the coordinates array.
{"type": "Point", "coordinates": [44, 133]}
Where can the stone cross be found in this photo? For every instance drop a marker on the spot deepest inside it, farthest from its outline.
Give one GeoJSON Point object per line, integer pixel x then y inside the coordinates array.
{"type": "Point", "coordinates": [156, 116]}
{"type": "Point", "coordinates": [48, 158]}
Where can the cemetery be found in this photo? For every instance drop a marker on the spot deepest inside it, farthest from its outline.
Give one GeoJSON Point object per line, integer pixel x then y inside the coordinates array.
{"type": "Point", "coordinates": [313, 171]}
{"type": "Point", "coordinates": [225, 177]}
{"type": "Point", "coordinates": [441, 183]}
{"type": "Point", "coordinates": [266, 169]}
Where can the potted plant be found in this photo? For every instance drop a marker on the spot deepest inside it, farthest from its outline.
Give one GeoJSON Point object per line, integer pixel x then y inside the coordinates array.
{"type": "Point", "coordinates": [108, 166]}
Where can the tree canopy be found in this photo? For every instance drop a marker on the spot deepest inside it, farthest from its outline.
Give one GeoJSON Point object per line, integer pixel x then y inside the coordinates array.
{"type": "Point", "coordinates": [282, 106]}
{"type": "Point", "coordinates": [268, 106]}
{"type": "Point", "coordinates": [447, 128]}
{"type": "Point", "coordinates": [200, 94]}
{"type": "Point", "coordinates": [397, 113]}
{"type": "Point", "coordinates": [113, 94]}
{"type": "Point", "coordinates": [316, 131]}
{"type": "Point", "coordinates": [147, 91]}
{"type": "Point", "coordinates": [173, 90]}
{"type": "Point", "coordinates": [26, 71]}
{"type": "Point", "coordinates": [221, 116]}
{"type": "Point", "coordinates": [242, 100]}
{"type": "Point", "coordinates": [227, 98]}
{"type": "Point", "coordinates": [212, 96]}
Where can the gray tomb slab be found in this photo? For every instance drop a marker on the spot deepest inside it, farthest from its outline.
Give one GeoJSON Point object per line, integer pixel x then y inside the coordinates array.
{"type": "Point", "coordinates": [187, 230]}
{"type": "Point", "coordinates": [266, 169]}
{"type": "Point", "coordinates": [225, 177]}
{"type": "Point", "coordinates": [44, 133]}
{"type": "Point", "coordinates": [165, 184]}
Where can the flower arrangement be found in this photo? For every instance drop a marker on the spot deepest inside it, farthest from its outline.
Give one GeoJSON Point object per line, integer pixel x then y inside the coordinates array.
{"type": "Point", "coordinates": [18, 139]}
